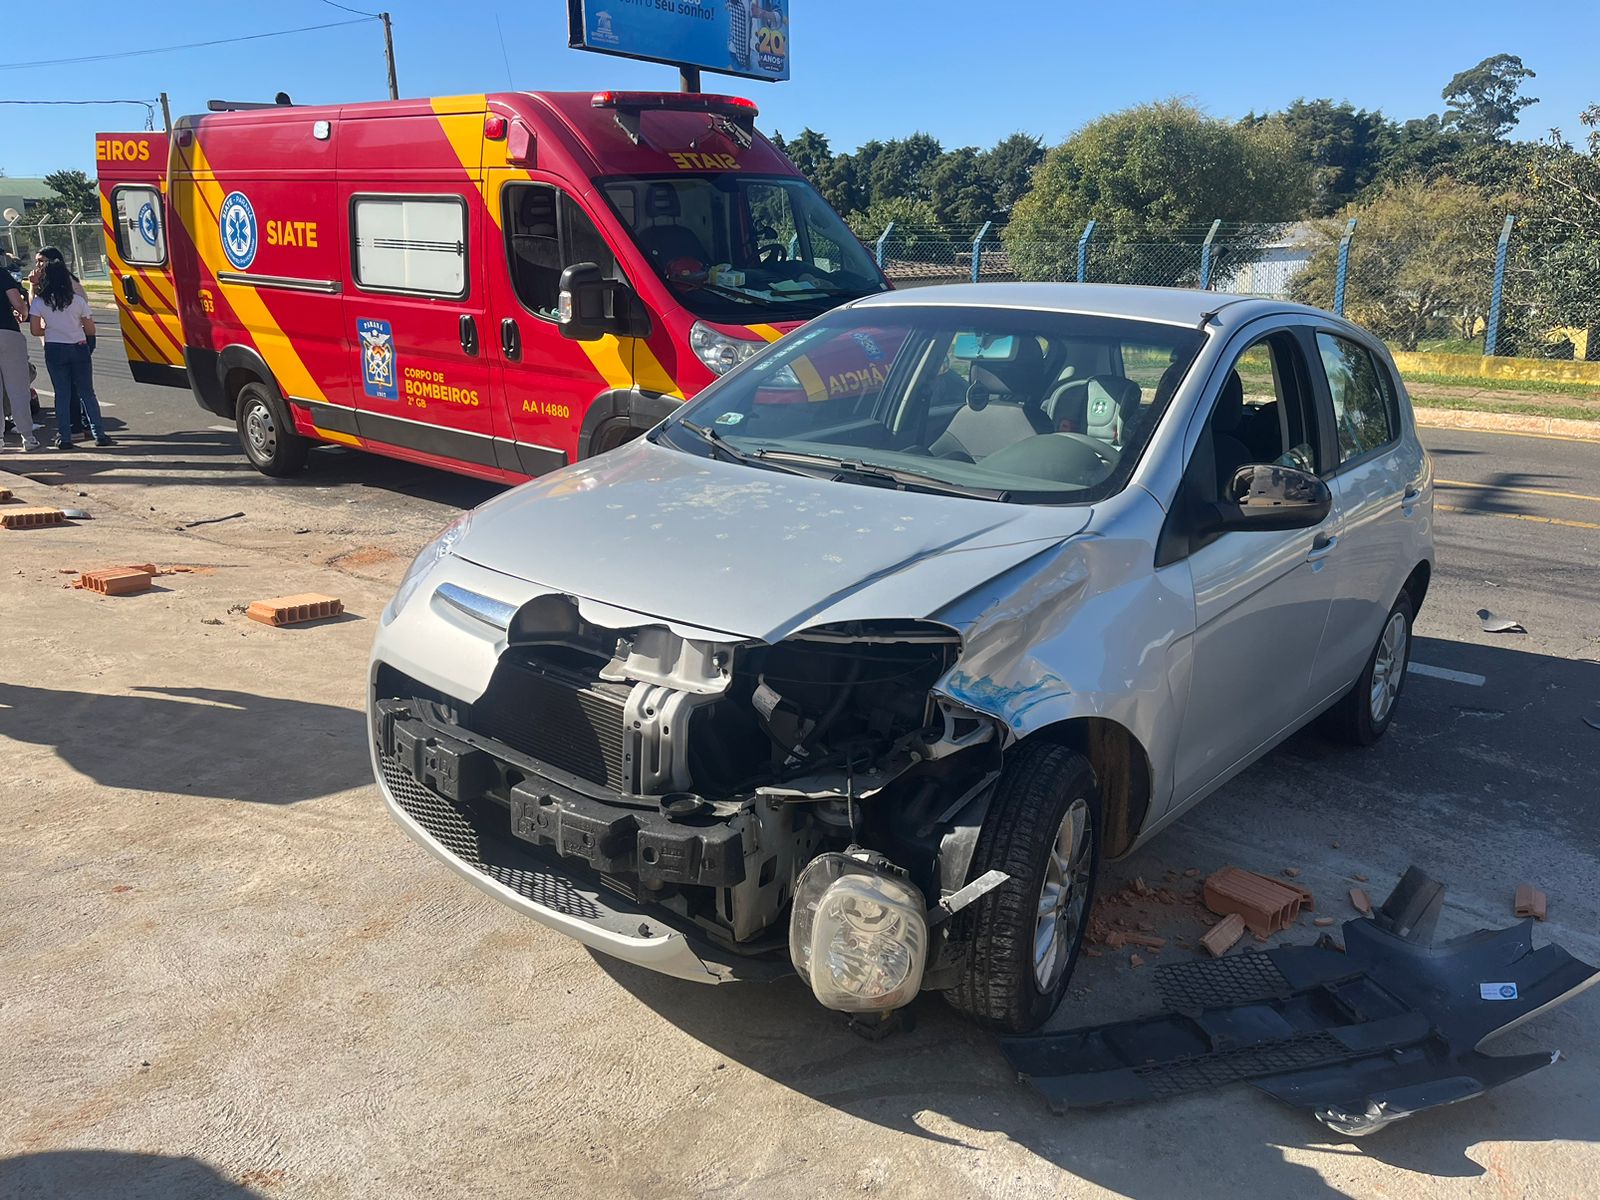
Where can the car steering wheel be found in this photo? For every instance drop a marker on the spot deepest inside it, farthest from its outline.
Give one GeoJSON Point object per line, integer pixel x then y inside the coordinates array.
{"type": "Point", "coordinates": [771, 254]}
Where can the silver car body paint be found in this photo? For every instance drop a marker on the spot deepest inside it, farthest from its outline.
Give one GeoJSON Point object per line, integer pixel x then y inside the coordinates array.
{"type": "Point", "coordinates": [1207, 662]}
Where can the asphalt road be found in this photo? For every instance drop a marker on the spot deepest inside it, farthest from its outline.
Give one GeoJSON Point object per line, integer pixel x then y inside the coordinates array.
{"type": "Point", "coordinates": [225, 951]}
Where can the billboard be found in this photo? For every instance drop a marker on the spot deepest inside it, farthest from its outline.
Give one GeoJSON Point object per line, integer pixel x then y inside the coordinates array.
{"type": "Point", "coordinates": [733, 37]}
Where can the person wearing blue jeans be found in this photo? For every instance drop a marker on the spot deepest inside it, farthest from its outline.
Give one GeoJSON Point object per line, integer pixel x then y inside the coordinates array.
{"type": "Point", "coordinates": [61, 317]}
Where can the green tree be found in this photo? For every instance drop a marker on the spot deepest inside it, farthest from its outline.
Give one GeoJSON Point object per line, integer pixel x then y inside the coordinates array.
{"type": "Point", "coordinates": [843, 184]}
{"type": "Point", "coordinates": [1558, 241]}
{"type": "Point", "coordinates": [903, 168]}
{"type": "Point", "coordinates": [962, 194]}
{"type": "Point", "coordinates": [1150, 176]}
{"type": "Point", "coordinates": [1342, 147]}
{"type": "Point", "coordinates": [1008, 166]}
{"type": "Point", "coordinates": [810, 153]}
{"type": "Point", "coordinates": [1484, 101]}
{"type": "Point", "coordinates": [1421, 262]}
{"type": "Point", "coordinates": [74, 192]}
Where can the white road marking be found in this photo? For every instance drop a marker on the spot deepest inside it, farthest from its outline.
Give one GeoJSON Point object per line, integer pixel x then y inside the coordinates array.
{"type": "Point", "coordinates": [1466, 677]}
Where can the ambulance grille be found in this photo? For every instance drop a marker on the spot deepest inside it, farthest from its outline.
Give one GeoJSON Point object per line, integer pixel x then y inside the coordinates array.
{"type": "Point", "coordinates": [573, 724]}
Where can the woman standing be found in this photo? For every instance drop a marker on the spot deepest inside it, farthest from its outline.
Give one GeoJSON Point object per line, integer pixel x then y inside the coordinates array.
{"type": "Point", "coordinates": [61, 317]}
{"type": "Point", "coordinates": [14, 359]}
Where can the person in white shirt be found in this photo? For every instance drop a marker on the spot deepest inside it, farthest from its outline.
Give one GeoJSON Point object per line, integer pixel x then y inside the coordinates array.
{"type": "Point", "coordinates": [14, 359]}
{"type": "Point", "coordinates": [61, 317]}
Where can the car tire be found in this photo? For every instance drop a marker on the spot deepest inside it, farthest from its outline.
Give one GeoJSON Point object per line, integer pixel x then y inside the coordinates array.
{"type": "Point", "coordinates": [1046, 800]}
{"type": "Point", "coordinates": [266, 433]}
{"type": "Point", "coordinates": [1364, 712]}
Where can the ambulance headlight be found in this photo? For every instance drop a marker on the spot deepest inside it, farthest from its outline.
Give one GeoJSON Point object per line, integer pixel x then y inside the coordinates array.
{"type": "Point", "coordinates": [442, 547]}
{"type": "Point", "coordinates": [718, 351]}
{"type": "Point", "coordinates": [858, 934]}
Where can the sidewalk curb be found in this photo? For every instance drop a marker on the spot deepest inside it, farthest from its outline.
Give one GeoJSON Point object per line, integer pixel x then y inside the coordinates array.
{"type": "Point", "coordinates": [1495, 422]}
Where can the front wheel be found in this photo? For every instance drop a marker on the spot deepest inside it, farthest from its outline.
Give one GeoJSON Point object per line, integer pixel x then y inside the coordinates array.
{"type": "Point", "coordinates": [1022, 939]}
{"type": "Point", "coordinates": [269, 440]}
{"type": "Point", "coordinates": [1365, 712]}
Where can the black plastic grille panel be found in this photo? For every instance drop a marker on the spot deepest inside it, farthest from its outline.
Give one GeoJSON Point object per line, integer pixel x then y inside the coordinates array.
{"type": "Point", "coordinates": [1220, 983]}
{"type": "Point", "coordinates": [473, 836]}
{"type": "Point", "coordinates": [573, 726]}
{"type": "Point", "coordinates": [1246, 1062]}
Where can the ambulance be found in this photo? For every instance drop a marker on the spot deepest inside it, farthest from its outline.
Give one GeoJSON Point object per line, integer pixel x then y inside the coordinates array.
{"type": "Point", "coordinates": [497, 285]}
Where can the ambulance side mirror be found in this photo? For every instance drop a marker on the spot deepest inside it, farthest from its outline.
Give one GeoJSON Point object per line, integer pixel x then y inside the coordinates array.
{"type": "Point", "coordinates": [590, 306]}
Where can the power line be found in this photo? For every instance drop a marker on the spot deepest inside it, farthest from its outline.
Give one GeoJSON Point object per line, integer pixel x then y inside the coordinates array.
{"type": "Point", "coordinates": [252, 37]}
{"type": "Point", "coordinates": [348, 9]}
{"type": "Point", "coordinates": [149, 108]}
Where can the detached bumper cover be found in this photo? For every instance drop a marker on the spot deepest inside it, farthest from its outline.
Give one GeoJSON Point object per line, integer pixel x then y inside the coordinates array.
{"type": "Point", "coordinates": [1360, 1039]}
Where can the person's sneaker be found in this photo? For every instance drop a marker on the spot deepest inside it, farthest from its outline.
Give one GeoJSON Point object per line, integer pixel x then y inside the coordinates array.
{"type": "Point", "coordinates": [104, 440]}
{"type": "Point", "coordinates": [65, 446]}
{"type": "Point", "coordinates": [32, 444]}
{"type": "Point", "coordinates": [11, 426]}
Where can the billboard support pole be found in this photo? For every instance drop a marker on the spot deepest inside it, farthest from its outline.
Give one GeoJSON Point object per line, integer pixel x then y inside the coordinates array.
{"type": "Point", "coordinates": [688, 79]}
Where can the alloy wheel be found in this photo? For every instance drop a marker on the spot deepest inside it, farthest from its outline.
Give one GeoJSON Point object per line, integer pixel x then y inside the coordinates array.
{"type": "Point", "coordinates": [1388, 668]}
{"type": "Point", "coordinates": [1063, 896]}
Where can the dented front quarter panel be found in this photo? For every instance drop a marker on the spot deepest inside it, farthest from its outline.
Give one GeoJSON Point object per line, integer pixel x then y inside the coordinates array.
{"type": "Point", "coordinates": [1084, 629]}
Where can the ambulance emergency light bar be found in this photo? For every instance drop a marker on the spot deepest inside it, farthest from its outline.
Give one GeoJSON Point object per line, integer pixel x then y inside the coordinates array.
{"type": "Point", "coordinates": [736, 110]}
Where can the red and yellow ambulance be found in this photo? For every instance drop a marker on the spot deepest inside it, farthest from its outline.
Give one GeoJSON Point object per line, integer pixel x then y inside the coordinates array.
{"type": "Point", "coordinates": [497, 285]}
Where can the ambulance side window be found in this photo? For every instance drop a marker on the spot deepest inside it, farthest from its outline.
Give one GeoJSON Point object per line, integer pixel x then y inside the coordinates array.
{"type": "Point", "coordinates": [411, 244]}
{"type": "Point", "coordinates": [140, 229]}
{"type": "Point", "coordinates": [546, 232]}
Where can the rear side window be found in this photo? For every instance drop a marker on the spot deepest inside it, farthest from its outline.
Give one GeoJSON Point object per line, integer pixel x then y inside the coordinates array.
{"type": "Point", "coordinates": [1363, 406]}
{"type": "Point", "coordinates": [140, 231]}
{"type": "Point", "coordinates": [412, 244]}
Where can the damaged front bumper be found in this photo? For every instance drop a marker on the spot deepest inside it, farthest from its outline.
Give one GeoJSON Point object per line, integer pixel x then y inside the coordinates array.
{"type": "Point", "coordinates": [428, 785]}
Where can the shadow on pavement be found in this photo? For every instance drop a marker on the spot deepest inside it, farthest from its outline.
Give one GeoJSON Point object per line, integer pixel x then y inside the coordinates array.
{"type": "Point", "coordinates": [115, 1175]}
{"type": "Point", "coordinates": [195, 741]}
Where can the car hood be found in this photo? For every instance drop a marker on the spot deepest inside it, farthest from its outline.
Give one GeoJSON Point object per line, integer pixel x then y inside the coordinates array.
{"type": "Point", "coordinates": [750, 552]}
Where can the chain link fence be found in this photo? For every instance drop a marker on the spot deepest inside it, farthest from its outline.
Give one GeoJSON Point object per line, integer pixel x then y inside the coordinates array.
{"type": "Point", "coordinates": [1449, 289]}
{"type": "Point", "coordinates": [80, 241]}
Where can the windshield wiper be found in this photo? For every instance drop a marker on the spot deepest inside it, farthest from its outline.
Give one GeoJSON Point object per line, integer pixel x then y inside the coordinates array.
{"type": "Point", "coordinates": [721, 447]}
{"type": "Point", "coordinates": [730, 293]}
{"type": "Point", "coordinates": [895, 477]}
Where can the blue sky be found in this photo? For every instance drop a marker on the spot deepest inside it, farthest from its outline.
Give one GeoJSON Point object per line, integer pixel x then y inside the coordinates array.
{"type": "Point", "coordinates": [964, 72]}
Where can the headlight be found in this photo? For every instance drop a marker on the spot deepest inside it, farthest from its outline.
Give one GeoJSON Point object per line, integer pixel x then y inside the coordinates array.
{"type": "Point", "coordinates": [442, 547]}
{"type": "Point", "coordinates": [858, 935]}
{"type": "Point", "coordinates": [719, 351]}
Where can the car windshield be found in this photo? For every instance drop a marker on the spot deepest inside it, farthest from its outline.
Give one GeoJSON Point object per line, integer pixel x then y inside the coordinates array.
{"type": "Point", "coordinates": [1019, 406]}
{"type": "Point", "coordinates": [741, 248]}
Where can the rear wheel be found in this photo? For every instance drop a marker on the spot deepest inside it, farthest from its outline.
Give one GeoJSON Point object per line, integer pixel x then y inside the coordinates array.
{"type": "Point", "coordinates": [269, 440]}
{"type": "Point", "coordinates": [1365, 712]}
{"type": "Point", "coordinates": [1023, 937]}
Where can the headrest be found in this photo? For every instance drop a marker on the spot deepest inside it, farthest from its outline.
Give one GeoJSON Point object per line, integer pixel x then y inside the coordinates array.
{"type": "Point", "coordinates": [661, 200]}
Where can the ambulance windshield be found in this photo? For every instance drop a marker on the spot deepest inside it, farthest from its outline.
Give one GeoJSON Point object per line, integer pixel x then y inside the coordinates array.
{"type": "Point", "coordinates": [743, 248]}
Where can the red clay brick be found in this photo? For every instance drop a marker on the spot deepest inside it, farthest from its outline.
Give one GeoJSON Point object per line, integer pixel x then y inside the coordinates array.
{"type": "Point", "coordinates": [293, 610]}
{"type": "Point", "coordinates": [1221, 937]}
{"type": "Point", "coordinates": [1531, 902]}
{"type": "Point", "coordinates": [1267, 905]}
{"type": "Point", "coordinates": [115, 581]}
{"type": "Point", "coordinates": [31, 517]}
{"type": "Point", "coordinates": [1360, 900]}
{"type": "Point", "coordinates": [1147, 940]}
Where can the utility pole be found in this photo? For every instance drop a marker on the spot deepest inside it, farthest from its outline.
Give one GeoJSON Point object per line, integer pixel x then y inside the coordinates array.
{"type": "Point", "coordinates": [388, 53]}
{"type": "Point", "coordinates": [166, 114]}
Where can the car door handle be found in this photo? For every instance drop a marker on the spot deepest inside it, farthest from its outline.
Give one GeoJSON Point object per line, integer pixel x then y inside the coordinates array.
{"type": "Point", "coordinates": [130, 290]}
{"type": "Point", "coordinates": [1321, 546]}
{"type": "Point", "coordinates": [510, 340]}
{"type": "Point", "coordinates": [1411, 495]}
{"type": "Point", "coordinates": [469, 335]}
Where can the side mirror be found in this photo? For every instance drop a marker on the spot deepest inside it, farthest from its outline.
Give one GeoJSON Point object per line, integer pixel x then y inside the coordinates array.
{"type": "Point", "coordinates": [590, 306]}
{"type": "Point", "coordinates": [1264, 496]}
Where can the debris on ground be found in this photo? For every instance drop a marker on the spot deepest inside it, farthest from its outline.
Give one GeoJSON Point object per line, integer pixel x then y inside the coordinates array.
{"type": "Point", "coordinates": [1267, 905]}
{"type": "Point", "coordinates": [1360, 1039]}
{"type": "Point", "coordinates": [115, 581]}
{"type": "Point", "coordinates": [211, 621]}
{"type": "Point", "coordinates": [76, 514]}
{"type": "Point", "coordinates": [295, 610]}
{"type": "Point", "coordinates": [1135, 961]}
{"type": "Point", "coordinates": [1322, 922]}
{"type": "Point", "coordinates": [31, 517]}
{"type": "Point", "coordinates": [1497, 624]}
{"type": "Point", "coordinates": [209, 520]}
{"type": "Point", "coordinates": [5, 495]}
{"type": "Point", "coordinates": [1360, 901]}
{"type": "Point", "coordinates": [1222, 936]}
{"type": "Point", "coordinates": [1359, 878]}
{"type": "Point", "coordinates": [1530, 902]}
{"type": "Point", "coordinates": [1292, 872]}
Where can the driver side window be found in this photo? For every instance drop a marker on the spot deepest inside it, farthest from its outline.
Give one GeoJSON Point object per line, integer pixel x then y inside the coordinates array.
{"type": "Point", "coordinates": [546, 232]}
{"type": "Point", "coordinates": [1265, 412]}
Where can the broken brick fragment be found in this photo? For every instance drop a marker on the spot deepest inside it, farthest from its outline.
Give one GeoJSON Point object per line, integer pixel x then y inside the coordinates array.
{"type": "Point", "coordinates": [5, 494]}
{"type": "Point", "coordinates": [1361, 901]}
{"type": "Point", "coordinates": [31, 517]}
{"type": "Point", "coordinates": [1323, 921]}
{"type": "Point", "coordinates": [1359, 878]}
{"type": "Point", "coordinates": [1267, 905]}
{"type": "Point", "coordinates": [1135, 961]}
{"type": "Point", "coordinates": [295, 610]}
{"type": "Point", "coordinates": [1140, 887]}
{"type": "Point", "coordinates": [1221, 936]}
{"type": "Point", "coordinates": [1146, 940]}
{"type": "Point", "coordinates": [1116, 939]}
{"type": "Point", "coordinates": [1091, 952]}
{"type": "Point", "coordinates": [114, 581]}
{"type": "Point", "coordinates": [1531, 902]}
{"type": "Point", "coordinates": [1291, 872]}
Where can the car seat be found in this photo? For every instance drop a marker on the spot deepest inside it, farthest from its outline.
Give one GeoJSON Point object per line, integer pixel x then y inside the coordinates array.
{"type": "Point", "coordinates": [1002, 407]}
{"type": "Point", "coordinates": [1230, 451]}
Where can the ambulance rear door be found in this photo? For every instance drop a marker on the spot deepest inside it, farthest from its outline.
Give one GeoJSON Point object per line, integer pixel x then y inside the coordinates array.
{"type": "Point", "coordinates": [133, 215]}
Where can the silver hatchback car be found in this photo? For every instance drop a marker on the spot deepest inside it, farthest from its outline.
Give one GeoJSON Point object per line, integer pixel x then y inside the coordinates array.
{"type": "Point", "coordinates": [861, 663]}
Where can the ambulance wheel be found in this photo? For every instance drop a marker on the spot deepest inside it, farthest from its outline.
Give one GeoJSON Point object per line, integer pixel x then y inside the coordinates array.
{"type": "Point", "coordinates": [269, 440]}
